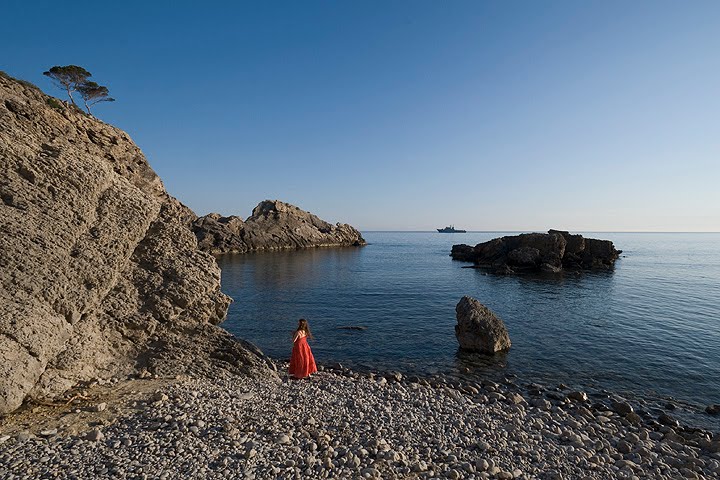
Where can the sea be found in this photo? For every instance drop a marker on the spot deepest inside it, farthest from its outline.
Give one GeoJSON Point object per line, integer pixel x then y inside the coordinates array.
{"type": "Point", "coordinates": [649, 330]}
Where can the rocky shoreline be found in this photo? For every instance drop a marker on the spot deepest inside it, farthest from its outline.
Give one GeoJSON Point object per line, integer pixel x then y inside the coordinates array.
{"type": "Point", "coordinates": [347, 424]}
{"type": "Point", "coordinates": [273, 225]}
{"type": "Point", "coordinates": [113, 303]}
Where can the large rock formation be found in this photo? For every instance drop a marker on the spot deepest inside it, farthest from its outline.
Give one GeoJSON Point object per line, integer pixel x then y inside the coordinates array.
{"type": "Point", "coordinates": [273, 225]}
{"type": "Point", "coordinates": [478, 329]}
{"type": "Point", "coordinates": [539, 252]}
{"type": "Point", "coordinates": [100, 273]}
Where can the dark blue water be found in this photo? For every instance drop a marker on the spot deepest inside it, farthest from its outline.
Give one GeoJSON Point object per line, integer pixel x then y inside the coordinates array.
{"type": "Point", "coordinates": [651, 327]}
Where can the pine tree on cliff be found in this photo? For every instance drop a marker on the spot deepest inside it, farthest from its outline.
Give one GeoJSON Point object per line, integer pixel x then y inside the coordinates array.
{"type": "Point", "coordinates": [69, 78]}
{"type": "Point", "coordinates": [93, 93]}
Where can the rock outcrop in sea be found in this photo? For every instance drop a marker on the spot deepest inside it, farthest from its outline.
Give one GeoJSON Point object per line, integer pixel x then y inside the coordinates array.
{"type": "Point", "coordinates": [549, 252]}
{"type": "Point", "coordinates": [100, 272]}
{"type": "Point", "coordinates": [478, 329]}
{"type": "Point", "coordinates": [273, 225]}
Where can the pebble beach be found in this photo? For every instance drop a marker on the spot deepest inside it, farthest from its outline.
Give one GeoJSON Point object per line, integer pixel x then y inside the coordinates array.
{"type": "Point", "coordinates": [346, 424]}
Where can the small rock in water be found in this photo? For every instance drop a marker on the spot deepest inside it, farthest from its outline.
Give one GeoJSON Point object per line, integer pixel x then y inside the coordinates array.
{"type": "Point", "coordinates": [666, 419]}
{"type": "Point", "coordinates": [578, 396]}
{"type": "Point", "coordinates": [622, 408]}
{"type": "Point", "coordinates": [478, 329]}
{"type": "Point", "coordinates": [713, 409]}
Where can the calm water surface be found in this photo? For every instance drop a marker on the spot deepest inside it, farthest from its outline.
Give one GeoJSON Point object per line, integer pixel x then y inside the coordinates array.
{"type": "Point", "coordinates": [650, 327]}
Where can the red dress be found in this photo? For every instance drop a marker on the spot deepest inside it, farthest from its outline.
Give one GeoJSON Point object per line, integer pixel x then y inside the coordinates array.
{"type": "Point", "coordinates": [302, 362]}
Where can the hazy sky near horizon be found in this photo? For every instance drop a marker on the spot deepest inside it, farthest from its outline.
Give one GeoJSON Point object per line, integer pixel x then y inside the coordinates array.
{"type": "Point", "coordinates": [408, 115]}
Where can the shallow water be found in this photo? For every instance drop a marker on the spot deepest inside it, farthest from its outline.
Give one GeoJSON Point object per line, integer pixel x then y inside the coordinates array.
{"type": "Point", "coordinates": [651, 326]}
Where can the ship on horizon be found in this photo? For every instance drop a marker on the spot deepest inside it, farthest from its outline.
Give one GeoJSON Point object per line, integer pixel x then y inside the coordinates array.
{"type": "Point", "coordinates": [450, 229]}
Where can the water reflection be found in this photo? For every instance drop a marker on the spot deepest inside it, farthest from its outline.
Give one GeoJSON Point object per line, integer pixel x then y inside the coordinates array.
{"type": "Point", "coordinates": [288, 269]}
{"type": "Point", "coordinates": [480, 365]}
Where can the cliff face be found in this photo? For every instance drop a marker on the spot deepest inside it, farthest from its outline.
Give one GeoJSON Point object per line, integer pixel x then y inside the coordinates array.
{"type": "Point", "coordinates": [100, 273]}
{"type": "Point", "coordinates": [273, 225]}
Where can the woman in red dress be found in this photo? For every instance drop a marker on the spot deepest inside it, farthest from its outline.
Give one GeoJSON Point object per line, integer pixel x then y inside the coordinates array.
{"type": "Point", "coordinates": [302, 362]}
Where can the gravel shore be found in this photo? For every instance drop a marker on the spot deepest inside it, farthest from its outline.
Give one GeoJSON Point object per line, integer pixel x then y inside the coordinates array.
{"type": "Point", "coordinates": [343, 424]}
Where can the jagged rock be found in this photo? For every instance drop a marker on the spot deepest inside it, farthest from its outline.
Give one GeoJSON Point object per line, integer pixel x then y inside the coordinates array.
{"type": "Point", "coordinates": [218, 234]}
{"type": "Point", "coordinates": [539, 252]}
{"type": "Point", "coordinates": [524, 257]}
{"type": "Point", "coordinates": [273, 225]}
{"type": "Point", "coordinates": [463, 252]}
{"type": "Point", "coordinates": [478, 329]}
{"type": "Point", "coordinates": [100, 273]}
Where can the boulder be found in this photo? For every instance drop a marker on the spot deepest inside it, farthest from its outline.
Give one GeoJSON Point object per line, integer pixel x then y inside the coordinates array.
{"type": "Point", "coordinates": [478, 329]}
{"type": "Point", "coordinates": [100, 272]}
{"type": "Point", "coordinates": [273, 225]}
{"type": "Point", "coordinates": [550, 252]}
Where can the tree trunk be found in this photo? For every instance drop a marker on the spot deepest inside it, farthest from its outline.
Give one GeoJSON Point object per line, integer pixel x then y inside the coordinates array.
{"type": "Point", "coordinates": [70, 95]}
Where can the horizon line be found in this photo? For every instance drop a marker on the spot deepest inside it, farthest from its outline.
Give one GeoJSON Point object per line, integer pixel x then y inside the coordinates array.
{"type": "Point", "coordinates": [536, 231]}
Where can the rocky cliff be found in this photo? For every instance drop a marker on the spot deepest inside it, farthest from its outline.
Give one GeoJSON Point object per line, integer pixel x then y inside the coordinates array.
{"type": "Point", "coordinates": [539, 252]}
{"type": "Point", "coordinates": [100, 273]}
{"type": "Point", "coordinates": [273, 225]}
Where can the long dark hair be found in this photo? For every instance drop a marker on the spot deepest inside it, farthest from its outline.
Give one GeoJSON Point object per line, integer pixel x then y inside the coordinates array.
{"type": "Point", "coordinates": [304, 327]}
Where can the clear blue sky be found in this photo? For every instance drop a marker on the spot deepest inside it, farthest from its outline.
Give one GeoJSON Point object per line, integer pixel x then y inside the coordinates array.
{"type": "Point", "coordinates": [492, 115]}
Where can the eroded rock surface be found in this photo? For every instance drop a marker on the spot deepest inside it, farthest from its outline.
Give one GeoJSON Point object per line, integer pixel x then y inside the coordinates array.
{"type": "Point", "coordinates": [539, 252]}
{"type": "Point", "coordinates": [273, 225]}
{"type": "Point", "coordinates": [478, 329]}
{"type": "Point", "coordinates": [100, 273]}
